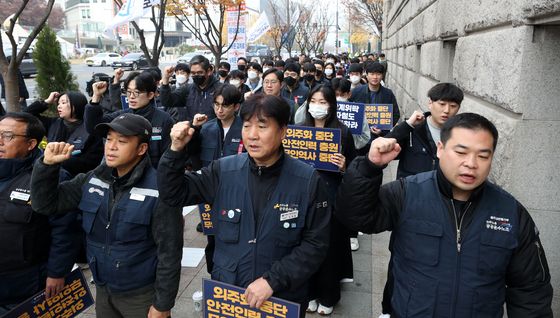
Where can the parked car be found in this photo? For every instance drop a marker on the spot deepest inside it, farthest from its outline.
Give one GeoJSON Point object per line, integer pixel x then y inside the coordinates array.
{"type": "Point", "coordinates": [103, 59]}
{"type": "Point", "coordinates": [27, 66]}
{"type": "Point", "coordinates": [132, 61]}
{"type": "Point", "coordinates": [186, 58]}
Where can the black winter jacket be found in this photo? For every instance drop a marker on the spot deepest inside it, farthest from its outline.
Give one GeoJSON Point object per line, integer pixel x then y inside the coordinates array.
{"type": "Point", "coordinates": [418, 149]}
{"type": "Point", "coordinates": [196, 100]}
{"type": "Point", "coordinates": [364, 205]}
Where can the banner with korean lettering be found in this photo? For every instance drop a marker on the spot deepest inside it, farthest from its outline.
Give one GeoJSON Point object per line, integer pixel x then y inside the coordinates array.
{"type": "Point", "coordinates": [236, 33]}
{"type": "Point", "coordinates": [313, 146]}
{"type": "Point", "coordinates": [206, 213]}
{"type": "Point", "coordinates": [74, 299]}
{"type": "Point", "coordinates": [351, 115]}
{"type": "Point", "coordinates": [379, 115]}
{"type": "Point", "coordinates": [223, 300]}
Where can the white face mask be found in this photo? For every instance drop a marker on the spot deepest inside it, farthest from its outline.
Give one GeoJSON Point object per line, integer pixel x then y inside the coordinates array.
{"type": "Point", "coordinates": [328, 72]}
{"type": "Point", "coordinates": [181, 78]}
{"type": "Point", "coordinates": [235, 82]}
{"type": "Point", "coordinates": [317, 111]}
{"type": "Point", "coordinates": [341, 99]}
{"type": "Point", "coordinates": [355, 79]}
{"type": "Point", "coordinates": [265, 69]}
{"type": "Point", "coordinates": [252, 75]}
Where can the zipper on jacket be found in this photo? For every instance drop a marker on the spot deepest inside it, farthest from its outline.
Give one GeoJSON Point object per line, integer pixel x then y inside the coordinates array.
{"type": "Point", "coordinates": [410, 139]}
{"type": "Point", "coordinates": [540, 260]}
{"type": "Point", "coordinates": [458, 227]}
{"type": "Point", "coordinates": [459, 224]}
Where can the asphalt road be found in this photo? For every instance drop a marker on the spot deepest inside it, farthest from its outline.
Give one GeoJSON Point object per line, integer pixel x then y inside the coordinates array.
{"type": "Point", "coordinates": [83, 74]}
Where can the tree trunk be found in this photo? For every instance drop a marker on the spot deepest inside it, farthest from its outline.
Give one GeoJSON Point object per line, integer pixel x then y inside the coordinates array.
{"type": "Point", "coordinates": [12, 90]}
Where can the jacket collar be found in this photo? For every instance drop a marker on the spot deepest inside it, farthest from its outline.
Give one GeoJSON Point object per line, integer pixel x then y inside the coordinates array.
{"type": "Point", "coordinates": [273, 170]}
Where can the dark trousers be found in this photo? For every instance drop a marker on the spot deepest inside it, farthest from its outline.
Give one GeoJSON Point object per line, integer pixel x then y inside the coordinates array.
{"type": "Point", "coordinates": [124, 305]}
{"type": "Point", "coordinates": [325, 284]}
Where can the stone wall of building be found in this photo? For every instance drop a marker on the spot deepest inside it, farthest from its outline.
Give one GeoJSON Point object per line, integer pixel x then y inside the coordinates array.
{"type": "Point", "coordinates": [506, 58]}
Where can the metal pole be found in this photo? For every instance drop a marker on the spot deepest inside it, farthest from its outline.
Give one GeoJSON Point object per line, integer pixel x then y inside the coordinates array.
{"type": "Point", "coordinates": [336, 44]}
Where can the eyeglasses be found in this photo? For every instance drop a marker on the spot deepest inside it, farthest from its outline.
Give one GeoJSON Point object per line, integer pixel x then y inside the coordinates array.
{"type": "Point", "coordinates": [223, 106]}
{"type": "Point", "coordinates": [8, 136]}
{"type": "Point", "coordinates": [271, 82]}
{"type": "Point", "coordinates": [133, 93]}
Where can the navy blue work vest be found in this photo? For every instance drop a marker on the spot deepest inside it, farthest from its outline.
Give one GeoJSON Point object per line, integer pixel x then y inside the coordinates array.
{"type": "Point", "coordinates": [434, 279]}
{"type": "Point", "coordinates": [157, 142]}
{"type": "Point", "coordinates": [121, 253]}
{"type": "Point", "coordinates": [212, 145]}
{"type": "Point", "coordinates": [243, 253]}
{"type": "Point", "coordinates": [25, 236]}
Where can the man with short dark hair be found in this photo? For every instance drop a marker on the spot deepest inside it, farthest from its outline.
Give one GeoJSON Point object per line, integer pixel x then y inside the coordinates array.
{"type": "Point", "coordinates": [291, 89]}
{"type": "Point", "coordinates": [223, 71]}
{"type": "Point", "coordinates": [375, 93]}
{"type": "Point", "coordinates": [256, 248]}
{"type": "Point", "coordinates": [37, 251]}
{"type": "Point", "coordinates": [462, 246]}
{"type": "Point", "coordinates": [242, 64]}
{"type": "Point", "coordinates": [419, 134]}
{"type": "Point", "coordinates": [133, 242]}
{"type": "Point", "coordinates": [196, 98]}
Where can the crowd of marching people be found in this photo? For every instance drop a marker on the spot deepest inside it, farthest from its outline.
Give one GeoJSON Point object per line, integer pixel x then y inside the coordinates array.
{"type": "Point", "coordinates": [109, 186]}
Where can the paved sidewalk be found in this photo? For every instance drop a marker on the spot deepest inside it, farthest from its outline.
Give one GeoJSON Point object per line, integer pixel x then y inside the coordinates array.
{"type": "Point", "coordinates": [362, 298]}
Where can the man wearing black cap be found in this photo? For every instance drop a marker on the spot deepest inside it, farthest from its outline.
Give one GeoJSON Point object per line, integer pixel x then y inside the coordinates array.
{"type": "Point", "coordinates": [133, 244]}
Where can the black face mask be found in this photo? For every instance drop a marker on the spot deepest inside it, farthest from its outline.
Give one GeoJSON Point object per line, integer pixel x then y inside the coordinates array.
{"type": "Point", "coordinates": [319, 73]}
{"type": "Point", "coordinates": [309, 77]}
{"type": "Point", "coordinates": [223, 73]}
{"type": "Point", "coordinates": [199, 79]}
{"type": "Point", "coordinates": [241, 67]}
{"type": "Point", "coordinates": [290, 81]}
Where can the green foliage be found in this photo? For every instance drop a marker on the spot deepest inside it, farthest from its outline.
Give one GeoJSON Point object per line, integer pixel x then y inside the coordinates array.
{"type": "Point", "coordinates": [53, 70]}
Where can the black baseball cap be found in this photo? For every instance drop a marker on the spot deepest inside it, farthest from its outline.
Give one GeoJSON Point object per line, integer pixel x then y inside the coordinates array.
{"type": "Point", "coordinates": [127, 124]}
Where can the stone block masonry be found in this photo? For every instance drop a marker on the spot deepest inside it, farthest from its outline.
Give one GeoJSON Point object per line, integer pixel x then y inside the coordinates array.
{"type": "Point", "coordinates": [506, 58]}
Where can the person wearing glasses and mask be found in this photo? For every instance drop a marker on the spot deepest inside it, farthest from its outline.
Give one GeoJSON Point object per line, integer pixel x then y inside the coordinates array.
{"type": "Point", "coordinates": [272, 85]}
{"type": "Point", "coordinates": [292, 89]}
{"type": "Point", "coordinates": [140, 91]}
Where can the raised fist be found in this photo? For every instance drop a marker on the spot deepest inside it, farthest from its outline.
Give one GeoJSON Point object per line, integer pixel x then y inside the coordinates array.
{"type": "Point", "coordinates": [119, 72]}
{"type": "Point", "coordinates": [383, 151]}
{"type": "Point", "coordinates": [416, 119]}
{"type": "Point", "coordinates": [53, 98]}
{"type": "Point", "coordinates": [181, 134]}
{"type": "Point", "coordinates": [57, 152]}
{"type": "Point", "coordinates": [167, 73]}
{"type": "Point", "coordinates": [199, 120]}
{"type": "Point", "coordinates": [99, 88]}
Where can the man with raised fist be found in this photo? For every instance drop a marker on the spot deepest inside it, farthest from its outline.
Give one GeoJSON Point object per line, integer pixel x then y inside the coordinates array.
{"type": "Point", "coordinates": [272, 215]}
{"type": "Point", "coordinates": [133, 243]}
{"type": "Point", "coordinates": [462, 246]}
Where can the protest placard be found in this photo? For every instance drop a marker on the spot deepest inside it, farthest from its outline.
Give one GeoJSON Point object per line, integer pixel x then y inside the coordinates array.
{"type": "Point", "coordinates": [74, 299]}
{"type": "Point", "coordinates": [206, 213]}
{"type": "Point", "coordinates": [223, 300]}
{"type": "Point", "coordinates": [351, 115]}
{"type": "Point", "coordinates": [313, 145]}
{"type": "Point", "coordinates": [379, 115]}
